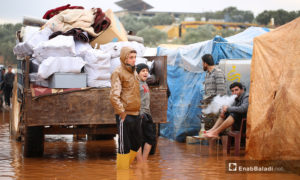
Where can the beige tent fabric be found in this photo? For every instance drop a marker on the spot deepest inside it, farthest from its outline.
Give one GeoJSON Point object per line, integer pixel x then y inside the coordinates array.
{"type": "Point", "coordinates": [273, 122]}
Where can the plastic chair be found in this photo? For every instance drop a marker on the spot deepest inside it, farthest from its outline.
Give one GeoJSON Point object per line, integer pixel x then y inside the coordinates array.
{"type": "Point", "coordinates": [237, 135]}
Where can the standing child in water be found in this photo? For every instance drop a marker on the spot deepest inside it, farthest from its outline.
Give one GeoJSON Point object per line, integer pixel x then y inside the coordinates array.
{"type": "Point", "coordinates": [148, 131]}
{"type": "Point", "coordinates": [125, 99]}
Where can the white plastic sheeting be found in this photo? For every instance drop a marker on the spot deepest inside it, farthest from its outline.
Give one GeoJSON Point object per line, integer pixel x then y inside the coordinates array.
{"type": "Point", "coordinates": [114, 48]}
{"type": "Point", "coordinates": [189, 56]}
{"type": "Point", "coordinates": [97, 68]}
{"type": "Point", "coordinates": [150, 51]}
{"type": "Point", "coordinates": [81, 48]}
{"type": "Point", "coordinates": [31, 40]}
{"type": "Point", "coordinates": [60, 46]}
{"type": "Point", "coordinates": [99, 83]}
{"type": "Point", "coordinates": [114, 63]}
{"type": "Point", "coordinates": [22, 49]}
{"type": "Point", "coordinates": [60, 64]}
{"type": "Point", "coordinates": [39, 37]}
{"type": "Point", "coordinates": [28, 31]}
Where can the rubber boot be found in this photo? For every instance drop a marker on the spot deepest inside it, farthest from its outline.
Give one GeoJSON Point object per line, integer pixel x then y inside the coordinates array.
{"type": "Point", "coordinates": [132, 156]}
{"type": "Point", "coordinates": [124, 174]}
{"type": "Point", "coordinates": [123, 161]}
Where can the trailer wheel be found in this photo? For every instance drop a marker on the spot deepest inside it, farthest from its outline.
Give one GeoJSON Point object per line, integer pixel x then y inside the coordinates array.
{"type": "Point", "coordinates": [34, 141]}
{"type": "Point", "coordinates": [156, 128]}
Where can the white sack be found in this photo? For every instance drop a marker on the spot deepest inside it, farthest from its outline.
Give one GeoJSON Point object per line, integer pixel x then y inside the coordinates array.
{"type": "Point", "coordinates": [114, 48]}
{"type": "Point", "coordinates": [81, 48]}
{"type": "Point", "coordinates": [39, 37]}
{"type": "Point", "coordinates": [99, 83]}
{"type": "Point", "coordinates": [31, 40]}
{"type": "Point", "coordinates": [60, 46]}
{"type": "Point", "coordinates": [96, 56]}
{"type": "Point", "coordinates": [97, 67]}
{"type": "Point", "coordinates": [150, 51]}
{"type": "Point", "coordinates": [60, 64]}
{"type": "Point", "coordinates": [97, 71]}
{"type": "Point", "coordinates": [114, 63]}
{"type": "Point", "coordinates": [28, 31]}
{"type": "Point", "coordinates": [22, 49]}
{"type": "Point", "coordinates": [96, 74]}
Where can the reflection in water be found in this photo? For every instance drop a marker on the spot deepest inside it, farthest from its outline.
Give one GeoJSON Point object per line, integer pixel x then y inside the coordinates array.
{"type": "Point", "coordinates": [65, 158]}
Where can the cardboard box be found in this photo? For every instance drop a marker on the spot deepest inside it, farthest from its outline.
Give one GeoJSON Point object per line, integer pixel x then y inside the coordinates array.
{"type": "Point", "coordinates": [114, 33]}
{"type": "Point", "coordinates": [68, 80]}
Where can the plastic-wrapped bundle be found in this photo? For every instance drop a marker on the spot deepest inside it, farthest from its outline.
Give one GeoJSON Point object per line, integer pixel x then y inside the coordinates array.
{"type": "Point", "coordinates": [114, 48]}
{"type": "Point", "coordinates": [31, 40]}
{"type": "Point", "coordinates": [97, 68]}
{"type": "Point", "coordinates": [60, 64]}
{"type": "Point", "coordinates": [22, 49]}
{"type": "Point", "coordinates": [28, 31]}
{"type": "Point", "coordinates": [114, 63]}
{"type": "Point", "coordinates": [39, 37]}
{"type": "Point", "coordinates": [99, 83]}
{"type": "Point", "coordinates": [81, 48]}
{"type": "Point", "coordinates": [96, 56]}
{"type": "Point", "coordinates": [97, 71]}
{"type": "Point", "coordinates": [60, 46]}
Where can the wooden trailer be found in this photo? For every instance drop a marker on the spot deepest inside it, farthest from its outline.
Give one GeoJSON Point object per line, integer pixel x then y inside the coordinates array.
{"type": "Point", "coordinates": [87, 111]}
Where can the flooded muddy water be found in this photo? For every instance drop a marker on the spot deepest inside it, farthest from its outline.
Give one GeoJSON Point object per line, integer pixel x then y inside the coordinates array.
{"type": "Point", "coordinates": [65, 158]}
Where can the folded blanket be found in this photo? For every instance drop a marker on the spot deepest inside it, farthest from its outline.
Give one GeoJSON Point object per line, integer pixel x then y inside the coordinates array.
{"type": "Point", "coordinates": [53, 35]}
{"type": "Point", "coordinates": [52, 65]}
{"type": "Point", "coordinates": [101, 22]}
{"type": "Point", "coordinates": [73, 18]}
{"type": "Point", "coordinates": [59, 46]}
{"type": "Point", "coordinates": [52, 12]}
{"type": "Point", "coordinates": [77, 33]}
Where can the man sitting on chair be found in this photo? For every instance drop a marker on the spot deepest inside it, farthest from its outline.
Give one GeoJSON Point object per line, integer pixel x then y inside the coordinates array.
{"type": "Point", "coordinates": [231, 115]}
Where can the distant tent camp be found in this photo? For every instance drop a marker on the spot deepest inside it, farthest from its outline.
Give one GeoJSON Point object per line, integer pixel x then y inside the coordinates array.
{"type": "Point", "coordinates": [273, 117]}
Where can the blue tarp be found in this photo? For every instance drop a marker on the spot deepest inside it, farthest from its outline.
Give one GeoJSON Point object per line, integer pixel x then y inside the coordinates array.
{"type": "Point", "coordinates": [186, 76]}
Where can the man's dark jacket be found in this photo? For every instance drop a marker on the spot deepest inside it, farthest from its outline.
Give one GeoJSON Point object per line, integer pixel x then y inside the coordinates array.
{"type": "Point", "coordinates": [239, 109]}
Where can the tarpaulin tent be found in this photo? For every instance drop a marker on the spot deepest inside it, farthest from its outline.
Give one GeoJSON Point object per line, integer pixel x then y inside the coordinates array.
{"type": "Point", "coordinates": [186, 77]}
{"type": "Point", "coordinates": [239, 45]}
{"type": "Point", "coordinates": [274, 110]}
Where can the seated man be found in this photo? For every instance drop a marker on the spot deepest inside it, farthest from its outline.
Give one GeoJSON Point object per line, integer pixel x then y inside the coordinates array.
{"type": "Point", "coordinates": [231, 115]}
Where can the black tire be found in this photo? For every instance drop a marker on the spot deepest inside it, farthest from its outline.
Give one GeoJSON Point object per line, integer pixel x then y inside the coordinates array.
{"type": "Point", "coordinates": [156, 128]}
{"type": "Point", "coordinates": [34, 141]}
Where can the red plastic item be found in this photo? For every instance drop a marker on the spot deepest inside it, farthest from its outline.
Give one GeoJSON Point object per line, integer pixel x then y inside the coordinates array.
{"type": "Point", "coordinates": [237, 135]}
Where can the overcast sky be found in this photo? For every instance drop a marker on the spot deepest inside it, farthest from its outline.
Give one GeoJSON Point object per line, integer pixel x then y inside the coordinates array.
{"type": "Point", "coordinates": [14, 10]}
